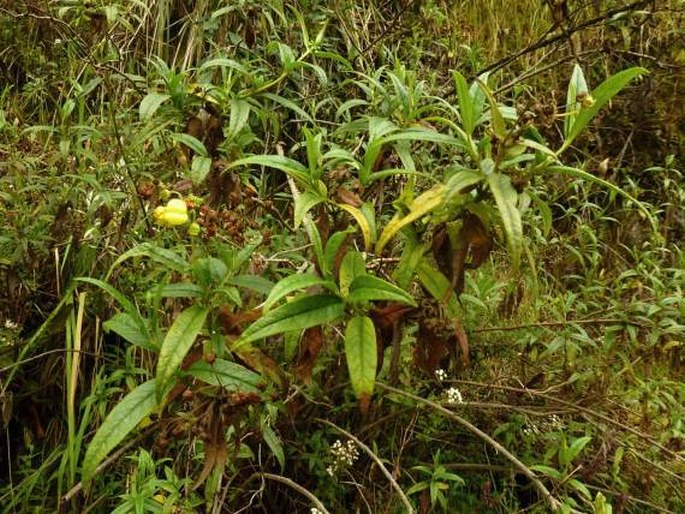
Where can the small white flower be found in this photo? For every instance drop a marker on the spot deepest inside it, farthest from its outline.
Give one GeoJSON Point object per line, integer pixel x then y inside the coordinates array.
{"type": "Point", "coordinates": [454, 395]}
{"type": "Point", "coordinates": [11, 325]}
{"type": "Point", "coordinates": [314, 510]}
{"type": "Point", "coordinates": [440, 374]}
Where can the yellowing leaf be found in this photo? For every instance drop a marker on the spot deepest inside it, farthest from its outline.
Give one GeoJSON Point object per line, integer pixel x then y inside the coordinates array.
{"type": "Point", "coordinates": [420, 206]}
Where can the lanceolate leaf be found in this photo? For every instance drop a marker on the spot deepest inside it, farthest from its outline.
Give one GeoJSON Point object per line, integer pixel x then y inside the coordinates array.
{"type": "Point", "coordinates": [361, 355]}
{"type": "Point", "coordinates": [177, 343]}
{"type": "Point", "coordinates": [576, 86]}
{"type": "Point", "coordinates": [305, 312]}
{"type": "Point", "coordinates": [437, 285]}
{"type": "Point", "coordinates": [168, 258]}
{"type": "Point", "coordinates": [507, 199]}
{"type": "Point", "coordinates": [467, 108]}
{"type": "Point", "coordinates": [292, 283]}
{"type": "Point", "coordinates": [422, 205]}
{"type": "Point", "coordinates": [150, 104]}
{"type": "Point", "coordinates": [130, 411]}
{"type": "Point", "coordinates": [604, 92]}
{"type": "Point", "coordinates": [289, 166]}
{"type": "Point", "coordinates": [367, 288]}
{"type": "Point", "coordinates": [368, 229]}
{"type": "Point", "coordinates": [304, 203]}
{"type": "Point", "coordinates": [226, 374]}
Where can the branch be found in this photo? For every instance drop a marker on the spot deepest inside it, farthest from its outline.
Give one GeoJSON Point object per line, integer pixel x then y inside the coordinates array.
{"type": "Point", "coordinates": [549, 40]}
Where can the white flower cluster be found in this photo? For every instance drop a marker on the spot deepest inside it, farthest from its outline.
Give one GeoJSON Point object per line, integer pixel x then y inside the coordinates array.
{"type": "Point", "coordinates": [454, 395]}
{"type": "Point", "coordinates": [11, 325]}
{"type": "Point", "coordinates": [440, 374]}
{"type": "Point", "coordinates": [344, 455]}
{"type": "Point", "coordinates": [314, 510]}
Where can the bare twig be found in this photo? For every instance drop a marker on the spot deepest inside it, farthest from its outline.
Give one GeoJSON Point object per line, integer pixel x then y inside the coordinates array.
{"type": "Point", "coordinates": [294, 485]}
{"type": "Point", "coordinates": [549, 40]}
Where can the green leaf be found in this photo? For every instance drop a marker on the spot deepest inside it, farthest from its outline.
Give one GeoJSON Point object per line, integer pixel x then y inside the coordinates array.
{"type": "Point", "coordinates": [576, 447]}
{"type": "Point", "coordinates": [177, 290]}
{"type": "Point", "coordinates": [191, 142]}
{"type": "Point", "coordinates": [150, 104]}
{"type": "Point", "coordinates": [177, 343]}
{"type": "Point", "coordinates": [437, 285]}
{"type": "Point", "coordinates": [547, 470]}
{"type": "Point", "coordinates": [467, 109]}
{"type": "Point", "coordinates": [304, 203]}
{"type": "Point", "coordinates": [411, 255]}
{"type": "Point", "coordinates": [576, 86]}
{"type": "Point", "coordinates": [305, 312]}
{"type": "Point", "coordinates": [289, 166]}
{"type": "Point", "coordinates": [240, 112]}
{"type": "Point", "coordinates": [254, 282]}
{"type": "Point", "coordinates": [506, 198]}
{"type": "Point", "coordinates": [496, 118]}
{"type": "Point", "coordinates": [604, 92]}
{"type": "Point", "coordinates": [200, 168]}
{"type": "Point", "coordinates": [129, 328]}
{"type": "Point", "coordinates": [361, 355]}
{"type": "Point", "coordinates": [333, 246]}
{"type": "Point", "coordinates": [289, 104]}
{"type": "Point", "coordinates": [295, 282]}
{"type": "Point", "coordinates": [352, 266]}
{"type": "Point", "coordinates": [125, 416]}
{"type": "Point", "coordinates": [462, 180]}
{"type": "Point", "coordinates": [167, 258]}
{"type": "Point", "coordinates": [420, 206]}
{"type": "Point", "coordinates": [273, 442]}
{"type": "Point", "coordinates": [229, 375]}
{"type": "Point", "coordinates": [367, 288]}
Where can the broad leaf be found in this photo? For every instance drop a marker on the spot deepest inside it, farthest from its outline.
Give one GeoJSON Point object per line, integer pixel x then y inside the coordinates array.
{"type": "Point", "coordinates": [295, 282]}
{"type": "Point", "coordinates": [367, 288]}
{"type": "Point", "coordinates": [577, 87]}
{"type": "Point", "coordinates": [304, 203]}
{"type": "Point", "coordinates": [240, 112]}
{"type": "Point", "coordinates": [177, 343]}
{"type": "Point", "coordinates": [150, 104]}
{"type": "Point", "coordinates": [167, 258]}
{"type": "Point", "coordinates": [229, 375]}
{"type": "Point", "coordinates": [437, 285]}
{"type": "Point", "coordinates": [506, 198]}
{"type": "Point", "coordinates": [200, 168]}
{"type": "Point", "coordinates": [352, 266]}
{"type": "Point", "coordinates": [129, 328]}
{"type": "Point", "coordinates": [362, 357]}
{"type": "Point", "coordinates": [467, 109]}
{"type": "Point", "coordinates": [289, 166]}
{"type": "Point", "coordinates": [305, 312]}
{"type": "Point", "coordinates": [191, 142]}
{"type": "Point", "coordinates": [125, 416]}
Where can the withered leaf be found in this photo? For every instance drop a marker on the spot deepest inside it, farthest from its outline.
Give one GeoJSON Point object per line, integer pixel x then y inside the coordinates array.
{"type": "Point", "coordinates": [348, 197]}
{"type": "Point", "coordinates": [310, 346]}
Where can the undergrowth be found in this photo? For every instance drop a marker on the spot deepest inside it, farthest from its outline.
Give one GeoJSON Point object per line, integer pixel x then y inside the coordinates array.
{"type": "Point", "coordinates": [341, 257]}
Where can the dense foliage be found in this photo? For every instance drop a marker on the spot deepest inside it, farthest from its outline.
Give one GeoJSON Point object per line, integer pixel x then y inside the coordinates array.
{"type": "Point", "coordinates": [341, 256]}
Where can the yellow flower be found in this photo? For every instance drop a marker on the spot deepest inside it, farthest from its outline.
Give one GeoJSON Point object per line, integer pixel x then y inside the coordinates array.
{"type": "Point", "coordinates": [175, 212]}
